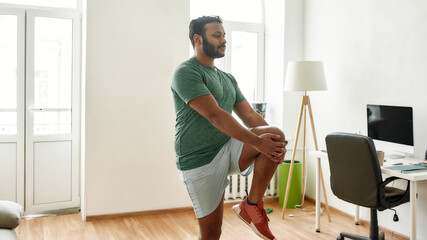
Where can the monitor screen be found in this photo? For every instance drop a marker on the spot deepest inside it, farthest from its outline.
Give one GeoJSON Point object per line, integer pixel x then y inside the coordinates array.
{"type": "Point", "coordinates": [390, 124]}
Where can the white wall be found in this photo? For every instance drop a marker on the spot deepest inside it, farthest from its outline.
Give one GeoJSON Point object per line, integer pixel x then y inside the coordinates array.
{"type": "Point", "coordinates": [293, 50]}
{"type": "Point", "coordinates": [374, 52]}
{"type": "Point", "coordinates": [133, 48]}
{"type": "Point", "coordinates": [274, 60]}
{"type": "Point", "coordinates": [284, 42]}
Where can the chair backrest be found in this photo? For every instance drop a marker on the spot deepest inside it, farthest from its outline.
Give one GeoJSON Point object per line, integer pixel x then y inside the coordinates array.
{"type": "Point", "coordinates": [355, 170]}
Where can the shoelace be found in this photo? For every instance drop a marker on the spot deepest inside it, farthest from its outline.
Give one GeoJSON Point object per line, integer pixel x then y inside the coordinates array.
{"type": "Point", "coordinates": [263, 214]}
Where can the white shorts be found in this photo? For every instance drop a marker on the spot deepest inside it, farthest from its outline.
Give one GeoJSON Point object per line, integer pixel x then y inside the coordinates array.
{"type": "Point", "coordinates": [206, 184]}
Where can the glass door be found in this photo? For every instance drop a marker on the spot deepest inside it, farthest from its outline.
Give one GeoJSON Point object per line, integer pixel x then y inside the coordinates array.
{"type": "Point", "coordinates": [12, 45]}
{"type": "Point", "coordinates": [53, 111]}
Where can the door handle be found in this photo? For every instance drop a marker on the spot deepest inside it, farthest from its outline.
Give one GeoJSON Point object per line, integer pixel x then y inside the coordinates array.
{"type": "Point", "coordinates": [49, 109]}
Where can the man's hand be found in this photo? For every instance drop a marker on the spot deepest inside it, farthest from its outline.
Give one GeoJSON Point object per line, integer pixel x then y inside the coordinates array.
{"type": "Point", "coordinates": [271, 145]}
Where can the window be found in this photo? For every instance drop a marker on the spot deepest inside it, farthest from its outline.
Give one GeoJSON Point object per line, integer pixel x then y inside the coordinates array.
{"type": "Point", "coordinates": [53, 44]}
{"type": "Point", "coordinates": [244, 27]}
{"type": "Point", "coordinates": [50, 42]}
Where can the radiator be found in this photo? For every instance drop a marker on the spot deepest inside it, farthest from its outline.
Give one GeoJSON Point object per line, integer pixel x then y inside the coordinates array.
{"type": "Point", "coordinates": [238, 185]}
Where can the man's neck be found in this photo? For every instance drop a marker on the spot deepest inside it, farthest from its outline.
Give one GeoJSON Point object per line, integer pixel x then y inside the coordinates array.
{"type": "Point", "coordinates": [205, 60]}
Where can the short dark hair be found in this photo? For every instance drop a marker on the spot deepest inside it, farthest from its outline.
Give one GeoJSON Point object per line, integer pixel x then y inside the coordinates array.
{"type": "Point", "coordinates": [197, 26]}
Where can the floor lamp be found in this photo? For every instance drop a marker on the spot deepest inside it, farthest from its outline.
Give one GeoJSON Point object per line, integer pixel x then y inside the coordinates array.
{"type": "Point", "coordinates": [304, 76]}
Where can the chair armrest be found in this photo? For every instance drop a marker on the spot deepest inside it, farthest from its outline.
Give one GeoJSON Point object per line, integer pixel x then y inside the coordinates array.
{"type": "Point", "coordinates": [389, 180]}
{"type": "Point", "coordinates": [402, 198]}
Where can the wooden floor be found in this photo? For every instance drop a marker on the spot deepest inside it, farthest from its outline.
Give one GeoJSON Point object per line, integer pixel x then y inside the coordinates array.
{"type": "Point", "coordinates": [183, 225]}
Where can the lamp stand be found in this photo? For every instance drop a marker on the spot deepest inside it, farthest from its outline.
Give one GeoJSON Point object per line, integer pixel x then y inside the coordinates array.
{"type": "Point", "coordinates": [304, 105]}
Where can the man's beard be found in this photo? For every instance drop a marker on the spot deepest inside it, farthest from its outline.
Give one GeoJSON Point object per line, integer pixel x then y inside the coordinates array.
{"type": "Point", "coordinates": [210, 49]}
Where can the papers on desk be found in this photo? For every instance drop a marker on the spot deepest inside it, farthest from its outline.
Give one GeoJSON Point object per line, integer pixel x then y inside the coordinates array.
{"type": "Point", "coordinates": [409, 168]}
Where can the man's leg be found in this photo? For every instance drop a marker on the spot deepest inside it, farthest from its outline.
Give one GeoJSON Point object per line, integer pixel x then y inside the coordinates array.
{"type": "Point", "coordinates": [210, 225]}
{"type": "Point", "coordinates": [251, 209]}
{"type": "Point", "coordinates": [264, 168]}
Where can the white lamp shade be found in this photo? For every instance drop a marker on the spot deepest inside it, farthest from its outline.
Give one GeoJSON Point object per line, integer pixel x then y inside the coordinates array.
{"type": "Point", "coordinates": [305, 76]}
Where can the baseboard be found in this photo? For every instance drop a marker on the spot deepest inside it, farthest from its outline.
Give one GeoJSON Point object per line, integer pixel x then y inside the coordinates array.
{"type": "Point", "coordinates": [394, 235]}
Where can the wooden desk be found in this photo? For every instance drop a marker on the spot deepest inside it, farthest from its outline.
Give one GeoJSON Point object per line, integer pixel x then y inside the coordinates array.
{"type": "Point", "coordinates": [412, 177]}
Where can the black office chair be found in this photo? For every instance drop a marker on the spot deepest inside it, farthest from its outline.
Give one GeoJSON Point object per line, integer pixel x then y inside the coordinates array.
{"type": "Point", "coordinates": [356, 178]}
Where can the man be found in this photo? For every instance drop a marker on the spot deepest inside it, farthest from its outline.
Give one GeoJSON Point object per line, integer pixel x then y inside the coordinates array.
{"type": "Point", "coordinates": [210, 144]}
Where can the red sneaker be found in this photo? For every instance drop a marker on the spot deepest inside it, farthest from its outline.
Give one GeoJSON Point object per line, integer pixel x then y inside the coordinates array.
{"type": "Point", "coordinates": [255, 217]}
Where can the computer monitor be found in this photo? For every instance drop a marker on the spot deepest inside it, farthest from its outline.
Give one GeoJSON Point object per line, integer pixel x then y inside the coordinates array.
{"type": "Point", "coordinates": [391, 128]}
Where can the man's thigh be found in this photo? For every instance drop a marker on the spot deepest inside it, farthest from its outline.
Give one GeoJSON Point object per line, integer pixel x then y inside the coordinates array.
{"type": "Point", "coordinates": [249, 154]}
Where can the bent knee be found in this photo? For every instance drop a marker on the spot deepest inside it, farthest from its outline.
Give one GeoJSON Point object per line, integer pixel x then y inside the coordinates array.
{"type": "Point", "coordinates": [269, 129]}
{"type": "Point", "coordinates": [278, 131]}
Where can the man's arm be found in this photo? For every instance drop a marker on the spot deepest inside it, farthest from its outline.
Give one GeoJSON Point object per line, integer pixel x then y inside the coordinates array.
{"type": "Point", "coordinates": [248, 115]}
{"type": "Point", "coordinates": [266, 143]}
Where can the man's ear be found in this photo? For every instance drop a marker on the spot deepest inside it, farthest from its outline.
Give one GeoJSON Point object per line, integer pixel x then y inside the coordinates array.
{"type": "Point", "coordinates": [197, 39]}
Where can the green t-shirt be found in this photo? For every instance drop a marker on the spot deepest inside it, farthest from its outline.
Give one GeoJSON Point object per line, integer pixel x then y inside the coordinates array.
{"type": "Point", "coordinates": [197, 141]}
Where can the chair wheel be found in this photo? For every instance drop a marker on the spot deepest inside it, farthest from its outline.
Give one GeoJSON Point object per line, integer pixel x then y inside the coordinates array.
{"type": "Point", "coordinates": [340, 238]}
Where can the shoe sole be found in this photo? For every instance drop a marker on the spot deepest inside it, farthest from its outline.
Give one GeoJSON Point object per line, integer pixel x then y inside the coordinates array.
{"type": "Point", "coordinates": [237, 210]}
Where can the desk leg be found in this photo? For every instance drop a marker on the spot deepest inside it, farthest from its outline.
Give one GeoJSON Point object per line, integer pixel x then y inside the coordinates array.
{"type": "Point", "coordinates": [412, 205]}
{"type": "Point", "coordinates": [317, 194]}
{"type": "Point", "coordinates": [356, 216]}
